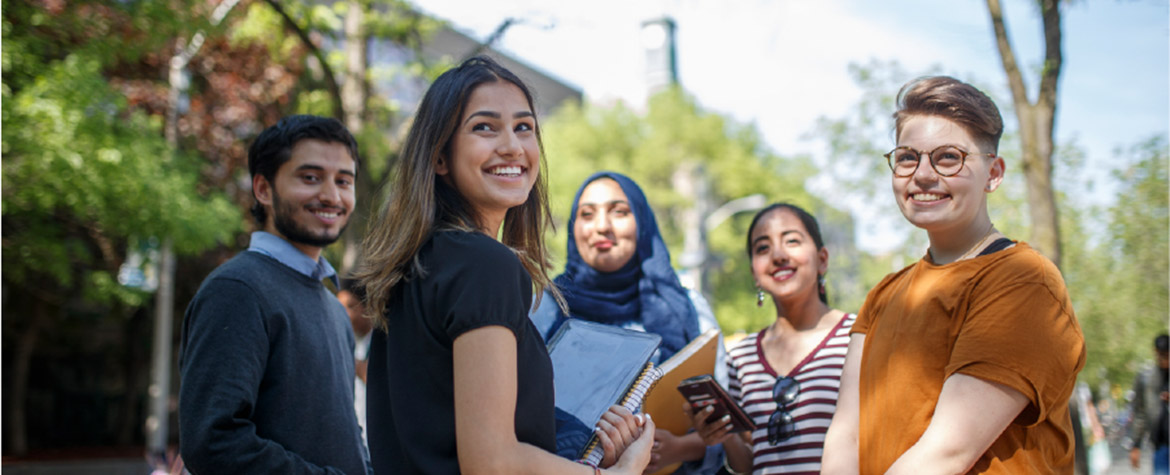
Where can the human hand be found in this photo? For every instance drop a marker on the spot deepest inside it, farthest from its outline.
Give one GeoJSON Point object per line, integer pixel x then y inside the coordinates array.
{"type": "Point", "coordinates": [1135, 457]}
{"type": "Point", "coordinates": [637, 455]}
{"type": "Point", "coordinates": [616, 430]}
{"type": "Point", "coordinates": [718, 432]}
{"type": "Point", "coordinates": [667, 450]}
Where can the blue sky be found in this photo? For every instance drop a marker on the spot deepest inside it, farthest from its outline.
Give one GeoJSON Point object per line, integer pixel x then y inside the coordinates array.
{"type": "Point", "coordinates": [781, 64]}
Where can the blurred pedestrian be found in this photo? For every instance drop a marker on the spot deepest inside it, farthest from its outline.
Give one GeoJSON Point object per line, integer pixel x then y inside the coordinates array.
{"type": "Point", "coordinates": [350, 296]}
{"type": "Point", "coordinates": [1149, 417]}
{"type": "Point", "coordinates": [266, 364]}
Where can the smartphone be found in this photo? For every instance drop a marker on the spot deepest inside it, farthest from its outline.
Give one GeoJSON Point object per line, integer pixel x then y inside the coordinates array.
{"type": "Point", "coordinates": [700, 389]}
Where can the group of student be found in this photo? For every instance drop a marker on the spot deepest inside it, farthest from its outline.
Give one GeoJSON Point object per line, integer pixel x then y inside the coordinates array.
{"type": "Point", "coordinates": [962, 362]}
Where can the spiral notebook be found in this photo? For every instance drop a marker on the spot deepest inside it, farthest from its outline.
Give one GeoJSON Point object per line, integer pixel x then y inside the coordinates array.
{"type": "Point", "coordinates": [596, 366]}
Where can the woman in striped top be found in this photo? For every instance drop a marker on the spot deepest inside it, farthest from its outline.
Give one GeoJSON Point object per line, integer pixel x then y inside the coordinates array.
{"type": "Point", "coordinates": [786, 376]}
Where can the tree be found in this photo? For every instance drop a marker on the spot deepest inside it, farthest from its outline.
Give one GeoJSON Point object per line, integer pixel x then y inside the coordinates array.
{"type": "Point", "coordinates": [86, 96]}
{"type": "Point", "coordinates": [651, 146]}
{"type": "Point", "coordinates": [92, 178]}
{"type": "Point", "coordinates": [1118, 285]}
{"type": "Point", "coordinates": [1036, 123]}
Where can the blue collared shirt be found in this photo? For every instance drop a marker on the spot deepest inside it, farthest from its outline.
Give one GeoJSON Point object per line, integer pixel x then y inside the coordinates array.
{"type": "Point", "coordinates": [285, 253]}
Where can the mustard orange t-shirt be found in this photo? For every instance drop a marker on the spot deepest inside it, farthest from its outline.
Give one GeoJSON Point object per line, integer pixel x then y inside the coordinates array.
{"type": "Point", "coordinates": [1005, 318]}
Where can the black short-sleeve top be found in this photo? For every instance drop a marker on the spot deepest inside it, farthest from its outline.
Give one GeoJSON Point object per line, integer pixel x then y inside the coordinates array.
{"type": "Point", "coordinates": [470, 281]}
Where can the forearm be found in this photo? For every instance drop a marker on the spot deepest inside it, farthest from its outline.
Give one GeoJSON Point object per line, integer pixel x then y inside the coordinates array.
{"type": "Point", "coordinates": [485, 399]}
{"type": "Point", "coordinates": [521, 459]}
{"type": "Point", "coordinates": [738, 453]}
{"type": "Point", "coordinates": [970, 415]}
{"type": "Point", "coordinates": [928, 457]}
{"type": "Point", "coordinates": [1139, 420]}
{"type": "Point", "coordinates": [691, 447]}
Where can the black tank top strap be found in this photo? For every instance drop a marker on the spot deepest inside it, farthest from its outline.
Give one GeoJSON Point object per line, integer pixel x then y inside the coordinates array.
{"type": "Point", "coordinates": [996, 246]}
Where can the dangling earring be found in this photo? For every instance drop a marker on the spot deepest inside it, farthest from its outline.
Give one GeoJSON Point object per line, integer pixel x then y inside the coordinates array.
{"type": "Point", "coordinates": [821, 283]}
{"type": "Point", "coordinates": [759, 297]}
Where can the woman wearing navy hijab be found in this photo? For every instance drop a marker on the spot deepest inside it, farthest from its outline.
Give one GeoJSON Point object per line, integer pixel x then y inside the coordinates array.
{"type": "Point", "coordinates": [618, 272]}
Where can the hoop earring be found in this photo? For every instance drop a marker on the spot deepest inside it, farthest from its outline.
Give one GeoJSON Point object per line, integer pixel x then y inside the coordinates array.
{"type": "Point", "coordinates": [759, 297]}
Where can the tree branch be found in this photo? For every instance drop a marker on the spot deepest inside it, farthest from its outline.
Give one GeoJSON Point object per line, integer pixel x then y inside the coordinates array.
{"type": "Point", "coordinates": [1053, 58]}
{"type": "Point", "coordinates": [330, 80]}
{"type": "Point", "coordinates": [1007, 55]}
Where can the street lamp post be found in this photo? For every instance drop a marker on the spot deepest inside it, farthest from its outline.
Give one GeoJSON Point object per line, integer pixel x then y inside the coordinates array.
{"type": "Point", "coordinates": [696, 255]}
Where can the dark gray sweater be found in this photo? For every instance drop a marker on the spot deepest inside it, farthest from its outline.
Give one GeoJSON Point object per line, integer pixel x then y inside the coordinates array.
{"type": "Point", "coordinates": [267, 375]}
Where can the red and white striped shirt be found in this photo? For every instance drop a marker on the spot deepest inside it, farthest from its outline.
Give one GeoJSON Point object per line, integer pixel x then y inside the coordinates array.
{"type": "Point", "coordinates": [819, 374]}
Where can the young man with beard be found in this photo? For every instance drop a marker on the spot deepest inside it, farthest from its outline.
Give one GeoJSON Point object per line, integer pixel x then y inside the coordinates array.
{"type": "Point", "coordinates": [267, 351]}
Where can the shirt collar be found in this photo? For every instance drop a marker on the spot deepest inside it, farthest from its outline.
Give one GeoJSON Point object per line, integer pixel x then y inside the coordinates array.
{"type": "Point", "coordinates": [285, 253]}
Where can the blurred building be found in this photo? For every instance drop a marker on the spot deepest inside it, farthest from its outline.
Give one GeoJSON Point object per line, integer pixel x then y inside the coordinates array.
{"type": "Point", "coordinates": [448, 45]}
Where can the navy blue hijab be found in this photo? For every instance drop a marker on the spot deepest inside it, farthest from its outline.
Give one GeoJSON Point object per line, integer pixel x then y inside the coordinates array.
{"type": "Point", "coordinates": [645, 290]}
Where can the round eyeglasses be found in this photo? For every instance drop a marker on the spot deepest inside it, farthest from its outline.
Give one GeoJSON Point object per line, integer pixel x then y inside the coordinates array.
{"type": "Point", "coordinates": [946, 160]}
{"type": "Point", "coordinates": [782, 426]}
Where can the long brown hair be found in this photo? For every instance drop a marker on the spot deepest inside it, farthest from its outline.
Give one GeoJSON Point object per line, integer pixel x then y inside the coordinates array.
{"type": "Point", "coordinates": [421, 203]}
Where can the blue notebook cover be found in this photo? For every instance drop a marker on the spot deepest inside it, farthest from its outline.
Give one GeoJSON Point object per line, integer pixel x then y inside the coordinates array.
{"type": "Point", "coordinates": [594, 367]}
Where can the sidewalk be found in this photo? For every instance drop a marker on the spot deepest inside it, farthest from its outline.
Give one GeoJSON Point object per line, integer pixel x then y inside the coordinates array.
{"type": "Point", "coordinates": [82, 460]}
{"type": "Point", "coordinates": [78, 467]}
{"type": "Point", "coordinates": [1121, 465]}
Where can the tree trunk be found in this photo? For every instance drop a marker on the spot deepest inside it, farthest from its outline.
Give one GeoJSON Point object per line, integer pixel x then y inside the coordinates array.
{"type": "Point", "coordinates": [17, 427]}
{"type": "Point", "coordinates": [1037, 123]}
{"type": "Point", "coordinates": [355, 93]}
{"type": "Point", "coordinates": [330, 80]}
{"type": "Point", "coordinates": [135, 366]}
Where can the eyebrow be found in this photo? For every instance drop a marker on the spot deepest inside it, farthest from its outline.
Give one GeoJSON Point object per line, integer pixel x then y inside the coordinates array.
{"type": "Point", "coordinates": [497, 115]}
{"type": "Point", "coordinates": [765, 236]}
{"type": "Point", "coordinates": [609, 203]}
{"type": "Point", "coordinates": [319, 168]}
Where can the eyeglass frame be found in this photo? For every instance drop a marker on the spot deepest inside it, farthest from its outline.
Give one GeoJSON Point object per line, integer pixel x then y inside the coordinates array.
{"type": "Point", "coordinates": [776, 424]}
{"type": "Point", "coordinates": [963, 154]}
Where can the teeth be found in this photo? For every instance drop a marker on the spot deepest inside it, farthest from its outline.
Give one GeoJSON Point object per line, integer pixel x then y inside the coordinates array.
{"type": "Point", "coordinates": [926, 197]}
{"type": "Point", "coordinates": [328, 215]}
{"type": "Point", "coordinates": [506, 171]}
{"type": "Point", "coordinates": [783, 273]}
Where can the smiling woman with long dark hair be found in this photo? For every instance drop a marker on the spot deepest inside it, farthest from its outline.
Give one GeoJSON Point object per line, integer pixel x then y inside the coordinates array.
{"type": "Point", "coordinates": [459, 378]}
{"type": "Point", "coordinates": [786, 375]}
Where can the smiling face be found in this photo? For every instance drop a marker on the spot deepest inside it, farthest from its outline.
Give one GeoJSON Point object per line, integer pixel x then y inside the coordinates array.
{"type": "Point", "coordinates": [605, 230]}
{"type": "Point", "coordinates": [311, 195]}
{"type": "Point", "coordinates": [946, 206]}
{"type": "Point", "coordinates": [785, 258]}
{"type": "Point", "coordinates": [494, 157]}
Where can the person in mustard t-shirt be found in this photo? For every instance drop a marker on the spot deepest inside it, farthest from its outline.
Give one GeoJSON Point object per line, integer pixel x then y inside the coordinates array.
{"type": "Point", "coordinates": [964, 361]}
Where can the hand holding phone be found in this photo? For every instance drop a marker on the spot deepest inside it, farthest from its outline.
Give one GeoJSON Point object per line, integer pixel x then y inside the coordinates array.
{"type": "Point", "coordinates": [703, 391]}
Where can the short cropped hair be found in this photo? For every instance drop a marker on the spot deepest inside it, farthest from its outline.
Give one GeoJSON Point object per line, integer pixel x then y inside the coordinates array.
{"type": "Point", "coordinates": [273, 147]}
{"type": "Point", "coordinates": [954, 100]}
{"type": "Point", "coordinates": [1162, 343]}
